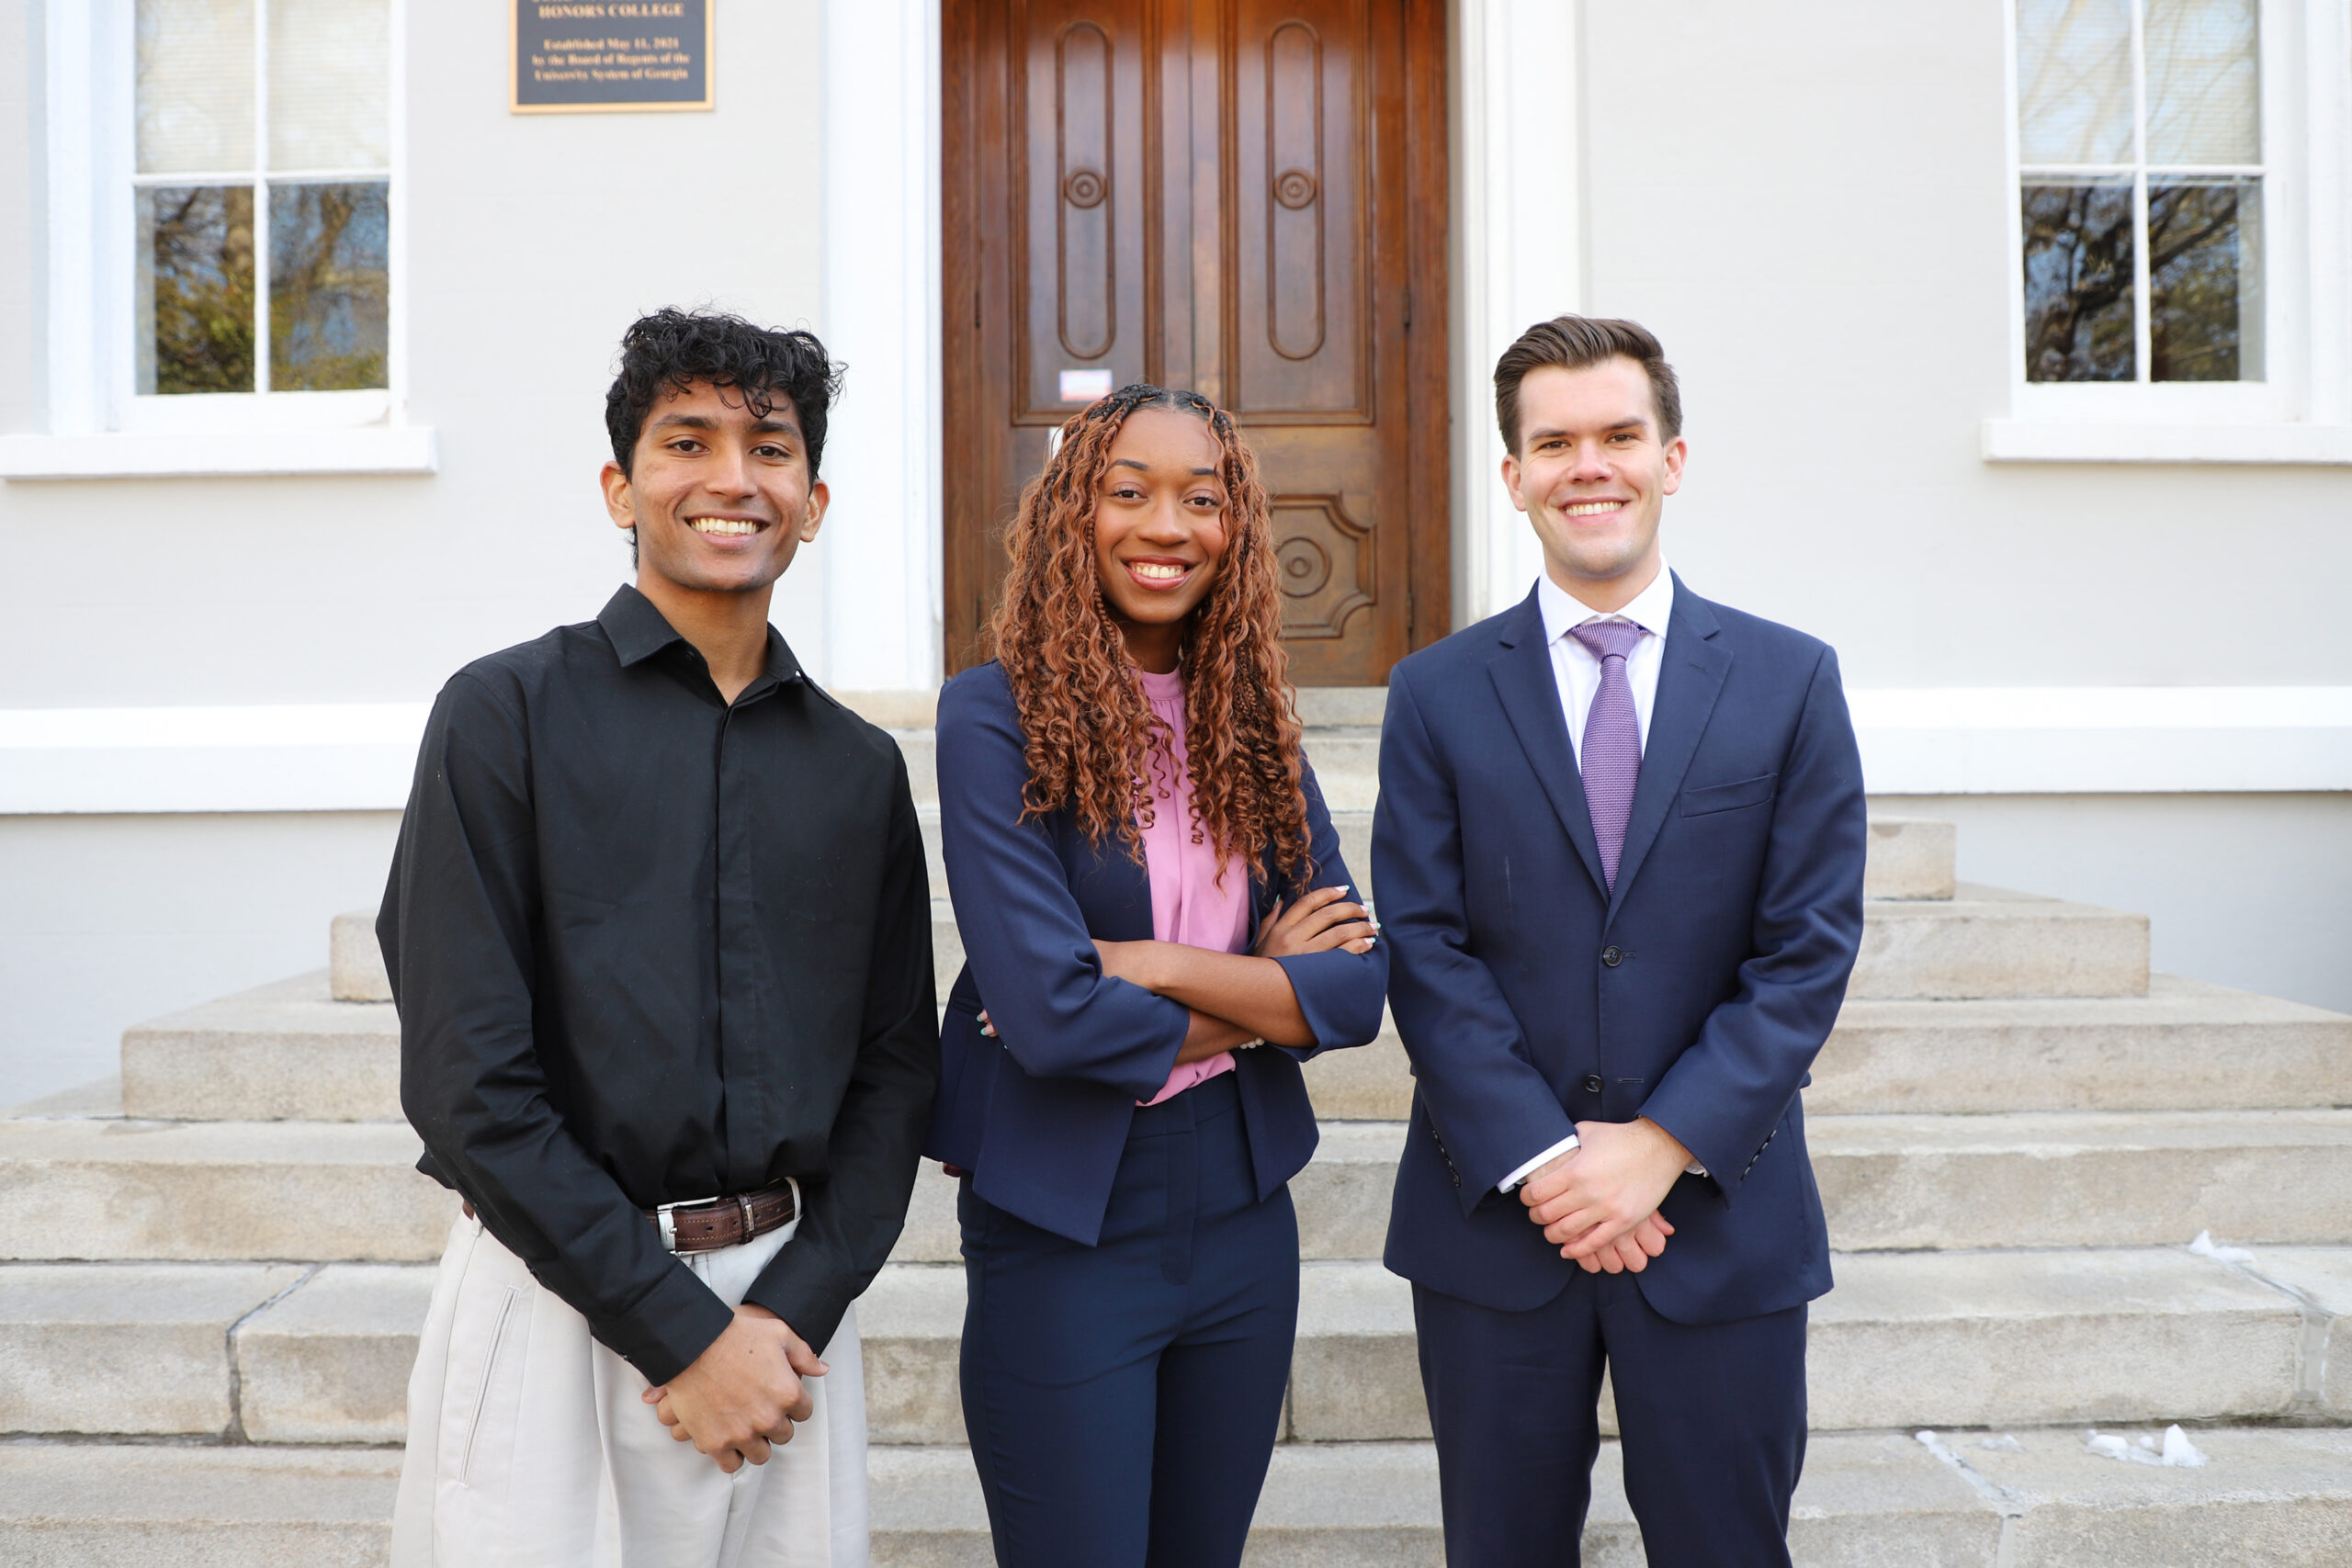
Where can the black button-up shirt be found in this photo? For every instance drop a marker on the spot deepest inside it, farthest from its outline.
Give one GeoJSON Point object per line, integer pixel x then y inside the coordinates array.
{"type": "Point", "coordinates": [649, 947]}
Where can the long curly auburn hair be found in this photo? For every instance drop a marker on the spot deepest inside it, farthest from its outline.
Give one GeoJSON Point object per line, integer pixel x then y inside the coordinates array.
{"type": "Point", "coordinates": [1093, 743]}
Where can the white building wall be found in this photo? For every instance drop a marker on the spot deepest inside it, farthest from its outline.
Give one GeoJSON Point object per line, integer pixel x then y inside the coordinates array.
{"type": "Point", "coordinates": [1809, 204]}
{"type": "Point", "coordinates": [1810, 208]}
{"type": "Point", "coordinates": [532, 241]}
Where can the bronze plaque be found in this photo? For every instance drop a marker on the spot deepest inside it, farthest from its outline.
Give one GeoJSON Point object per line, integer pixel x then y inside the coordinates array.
{"type": "Point", "coordinates": [600, 56]}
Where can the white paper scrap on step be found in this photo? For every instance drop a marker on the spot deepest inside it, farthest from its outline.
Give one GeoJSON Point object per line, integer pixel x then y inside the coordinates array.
{"type": "Point", "coordinates": [2177, 1450]}
{"type": "Point", "coordinates": [2205, 1247]}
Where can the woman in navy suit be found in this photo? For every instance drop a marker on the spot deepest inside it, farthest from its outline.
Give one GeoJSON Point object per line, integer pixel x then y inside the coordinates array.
{"type": "Point", "coordinates": [1158, 930]}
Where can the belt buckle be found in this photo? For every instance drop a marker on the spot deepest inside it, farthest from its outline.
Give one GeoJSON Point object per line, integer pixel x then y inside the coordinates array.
{"type": "Point", "coordinates": [662, 1217]}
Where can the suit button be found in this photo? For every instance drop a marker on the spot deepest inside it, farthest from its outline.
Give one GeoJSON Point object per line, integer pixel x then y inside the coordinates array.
{"type": "Point", "coordinates": [1613, 956]}
{"type": "Point", "coordinates": [1593, 1083]}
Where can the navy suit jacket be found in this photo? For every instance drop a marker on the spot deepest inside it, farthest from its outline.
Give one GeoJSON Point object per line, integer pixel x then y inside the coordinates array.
{"type": "Point", "coordinates": [1530, 997]}
{"type": "Point", "coordinates": [1040, 1115]}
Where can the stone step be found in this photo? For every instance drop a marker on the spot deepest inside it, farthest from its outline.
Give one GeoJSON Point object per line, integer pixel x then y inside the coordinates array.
{"type": "Point", "coordinates": [266, 1352]}
{"type": "Point", "coordinates": [329, 1362]}
{"type": "Point", "coordinates": [329, 1191]}
{"type": "Point", "coordinates": [1906, 1339]}
{"type": "Point", "coordinates": [1988, 942]}
{"type": "Point", "coordinates": [2041, 1178]}
{"type": "Point", "coordinates": [1983, 942]}
{"type": "Point", "coordinates": [2186, 1045]}
{"type": "Point", "coordinates": [288, 1050]}
{"type": "Point", "coordinates": [2037, 1500]}
{"type": "Point", "coordinates": [355, 960]}
{"type": "Point", "coordinates": [1911, 863]}
{"type": "Point", "coordinates": [301, 1190]}
{"type": "Point", "coordinates": [126, 1348]}
{"type": "Point", "coordinates": [149, 1505]}
{"type": "Point", "coordinates": [1975, 1339]}
{"type": "Point", "coordinates": [279, 1353]}
{"type": "Point", "coordinates": [2083, 1178]}
{"type": "Point", "coordinates": [1910, 857]}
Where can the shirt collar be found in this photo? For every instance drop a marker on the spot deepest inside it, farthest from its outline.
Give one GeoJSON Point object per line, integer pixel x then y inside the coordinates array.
{"type": "Point", "coordinates": [637, 631]}
{"type": "Point", "coordinates": [1651, 610]}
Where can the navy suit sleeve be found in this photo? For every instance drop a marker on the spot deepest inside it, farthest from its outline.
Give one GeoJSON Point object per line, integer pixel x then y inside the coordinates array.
{"type": "Point", "coordinates": [1725, 1094]}
{"type": "Point", "coordinates": [1032, 960]}
{"type": "Point", "coordinates": [1491, 1106]}
{"type": "Point", "coordinates": [1338, 992]}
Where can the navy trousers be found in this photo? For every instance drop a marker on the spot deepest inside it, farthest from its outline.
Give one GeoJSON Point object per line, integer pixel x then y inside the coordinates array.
{"type": "Point", "coordinates": [1710, 1420]}
{"type": "Point", "coordinates": [1122, 1399]}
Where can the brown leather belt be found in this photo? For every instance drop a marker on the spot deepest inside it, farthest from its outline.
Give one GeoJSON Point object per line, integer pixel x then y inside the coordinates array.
{"type": "Point", "coordinates": [713, 1223]}
{"type": "Point", "coordinates": [709, 1223]}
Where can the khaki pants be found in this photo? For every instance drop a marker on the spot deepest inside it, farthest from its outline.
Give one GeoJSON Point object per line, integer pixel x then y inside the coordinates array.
{"type": "Point", "coordinates": [528, 1442]}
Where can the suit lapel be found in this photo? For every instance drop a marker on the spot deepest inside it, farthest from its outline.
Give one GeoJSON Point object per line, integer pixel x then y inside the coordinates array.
{"type": "Point", "coordinates": [1688, 685]}
{"type": "Point", "coordinates": [1523, 674]}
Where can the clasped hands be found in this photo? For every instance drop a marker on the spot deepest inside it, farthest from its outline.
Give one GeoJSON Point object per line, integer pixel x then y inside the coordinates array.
{"type": "Point", "coordinates": [741, 1397]}
{"type": "Point", "coordinates": [1598, 1201]}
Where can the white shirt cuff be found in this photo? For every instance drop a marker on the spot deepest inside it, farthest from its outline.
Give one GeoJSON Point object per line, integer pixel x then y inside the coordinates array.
{"type": "Point", "coordinates": [1538, 1163]}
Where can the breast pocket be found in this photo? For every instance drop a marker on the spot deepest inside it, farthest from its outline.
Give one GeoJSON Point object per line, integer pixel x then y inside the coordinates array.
{"type": "Point", "coordinates": [1734, 797]}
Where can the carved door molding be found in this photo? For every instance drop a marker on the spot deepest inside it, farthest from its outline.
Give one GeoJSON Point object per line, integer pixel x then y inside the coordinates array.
{"type": "Point", "coordinates": [1243, 197]}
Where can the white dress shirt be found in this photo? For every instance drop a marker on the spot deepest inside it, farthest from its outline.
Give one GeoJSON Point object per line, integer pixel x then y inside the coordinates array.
{"type": "Point", "coordinates": [1576, 669]}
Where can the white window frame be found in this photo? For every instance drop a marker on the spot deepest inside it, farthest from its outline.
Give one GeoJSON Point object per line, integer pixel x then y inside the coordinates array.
{"type": "Point", "coordinates": [2302, 411]}
{"type": "Point", "coordinates": [99, 424]}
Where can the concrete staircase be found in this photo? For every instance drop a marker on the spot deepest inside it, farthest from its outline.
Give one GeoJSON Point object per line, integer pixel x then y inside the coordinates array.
{"type": "Point", "coordinates": [210, 1291]}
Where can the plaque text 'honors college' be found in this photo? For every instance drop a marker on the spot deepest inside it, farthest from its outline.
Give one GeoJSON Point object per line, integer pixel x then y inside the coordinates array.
{"type": "Point", "coordinates": [583, 56]}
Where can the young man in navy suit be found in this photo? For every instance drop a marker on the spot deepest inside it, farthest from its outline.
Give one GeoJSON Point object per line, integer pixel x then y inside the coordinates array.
{"type": "Point", "coordinates": [1619, 855]}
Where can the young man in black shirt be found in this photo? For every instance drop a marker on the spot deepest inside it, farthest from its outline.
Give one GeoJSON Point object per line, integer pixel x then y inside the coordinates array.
{"type": "Point", "coordinates": [659, 931]}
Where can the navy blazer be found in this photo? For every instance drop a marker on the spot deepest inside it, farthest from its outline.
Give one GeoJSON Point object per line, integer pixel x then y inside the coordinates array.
{"type": "Point", "coordinates": [1040, 1115]}
{"type": "Point", "coordinates": [1530, 997]}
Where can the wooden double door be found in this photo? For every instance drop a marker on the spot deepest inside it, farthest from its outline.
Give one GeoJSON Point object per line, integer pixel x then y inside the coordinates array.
{"type": "Point", "coordinates": [1244, 197]}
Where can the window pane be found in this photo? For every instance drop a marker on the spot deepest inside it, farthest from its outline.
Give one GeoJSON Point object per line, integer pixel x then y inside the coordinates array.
{"type": "Point", "coordinates": [2075, 81]}
{"type": "Point", "coordinates": [2078, 282]}
{"type": "Point", "coordinates": [2204, 103]}
{"type": "Point", "coordinates": [330, 83]}
{"type": "Point", "coordinates": [196, 289]}
{"type": "Point", "coordinates": [196, 86]}
{"type": "Point", "coordinates": [327, 287]}
{"type": "Point", "coordinates": [2205, 280]}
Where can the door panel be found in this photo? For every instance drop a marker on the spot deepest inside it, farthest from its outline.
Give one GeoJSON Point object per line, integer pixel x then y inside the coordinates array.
{"type": "Point", "coordinates": [1242, 197]}
{"type": "Point", "coordinates": [1083, 198]}
{"type": "Point", "coordinates": [1301, 260]}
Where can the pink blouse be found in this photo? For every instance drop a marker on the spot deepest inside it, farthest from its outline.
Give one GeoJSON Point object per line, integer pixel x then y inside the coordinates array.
{"type": "Point", "coordinates": [1187, 904]}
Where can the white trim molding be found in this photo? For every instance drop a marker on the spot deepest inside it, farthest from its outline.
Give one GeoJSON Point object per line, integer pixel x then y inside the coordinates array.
{"type": "Point", "coordinates": [2052, 441]}
{"type": "Point", "coordinates": [884, 614]}
{"type": "Point", "coordinates": [296, 757]}
{"type": "Point", "coordinates": [2104, 739]}
{"type": "Point", "coordinates": [1945, 740]}
{"type": "Point", "coordinates": [1516, 262]}
{"type": "Point", "coordinates": [155, 454]}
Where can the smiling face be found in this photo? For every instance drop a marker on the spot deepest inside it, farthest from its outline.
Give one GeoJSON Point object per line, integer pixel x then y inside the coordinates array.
{"type": "Point", "coordinates": [1592, 475]}
{"type": "Point", "coordinates": [720, 497]}
{"type": "Point", "coordinates": [1159, 528]}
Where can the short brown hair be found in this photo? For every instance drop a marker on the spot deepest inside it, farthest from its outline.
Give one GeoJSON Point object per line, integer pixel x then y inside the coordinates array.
{"type": "Point", "coordinates": [1572, 342]}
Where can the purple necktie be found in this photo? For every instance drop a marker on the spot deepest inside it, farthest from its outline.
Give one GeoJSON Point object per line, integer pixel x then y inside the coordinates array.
{"type": "Point", "coordinates": [1611, 756]}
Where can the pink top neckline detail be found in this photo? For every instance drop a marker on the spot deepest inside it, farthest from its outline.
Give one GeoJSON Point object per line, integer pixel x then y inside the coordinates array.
{"type": "Point", "coordinates": [1187, 904]}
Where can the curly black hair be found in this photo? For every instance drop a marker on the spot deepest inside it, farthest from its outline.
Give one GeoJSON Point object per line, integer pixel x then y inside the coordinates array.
{"type": "Point", "coordinates": [671, 349]}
